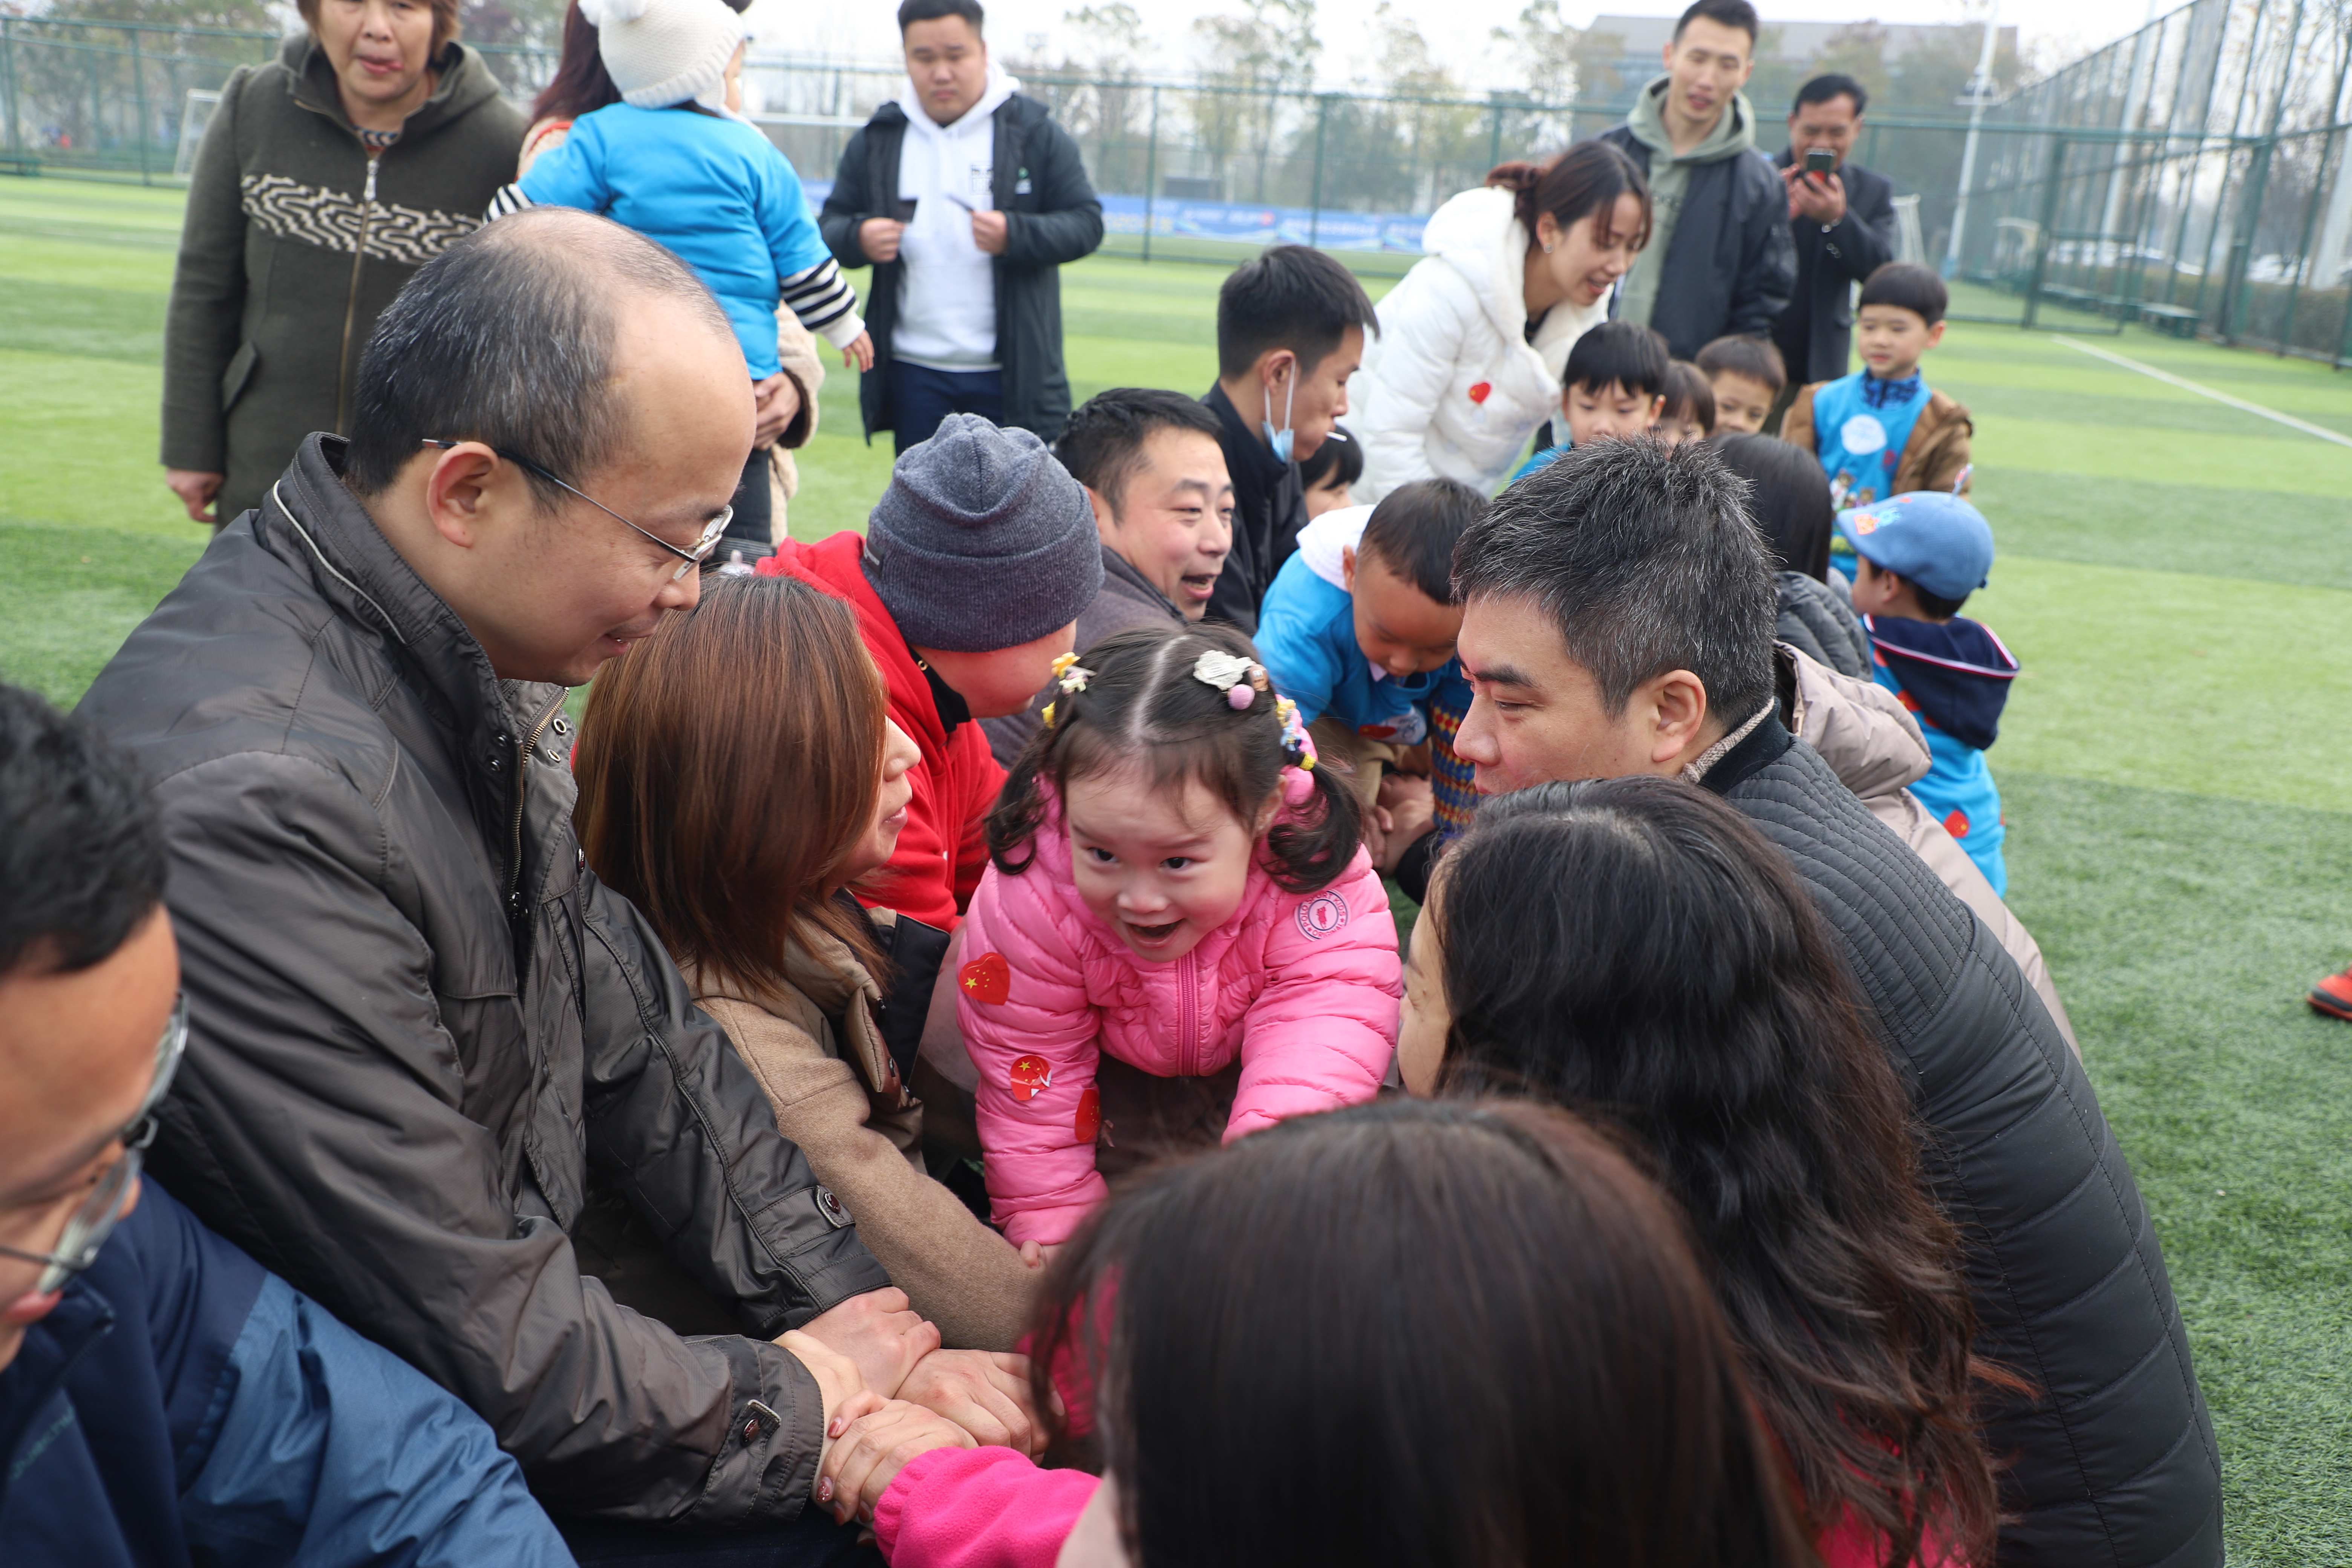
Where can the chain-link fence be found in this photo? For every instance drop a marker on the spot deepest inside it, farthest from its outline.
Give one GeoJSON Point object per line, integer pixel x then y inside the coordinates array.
{"type": "Point", "coordinates": [2189, 176]}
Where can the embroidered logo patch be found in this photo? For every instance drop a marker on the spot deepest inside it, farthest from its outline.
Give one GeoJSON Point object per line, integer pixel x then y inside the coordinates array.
{"type": "Point", "coordinates": [987, 978]}
{"type": "Point", "coordinates": [1865, 523]}
{"type": "Point", "coordinates": [1031, 1076]}
{"type": "Point", "coordinates": [1957, 824]}
{"type": "Point", "coordinates": [1863, 434]}
{"type": "Point", "coordinates": [831, 1209]}
{"type": "Point", "coordinates": [1321, 915]}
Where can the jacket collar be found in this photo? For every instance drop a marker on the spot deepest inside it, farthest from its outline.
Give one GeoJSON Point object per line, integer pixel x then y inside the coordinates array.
{"type": "Point", "coordinates": [466, 84]}
{"type": "Point", "coordinates": [1734, 131]}
{"type": "Point", "coordinates": [1130, 584]}
{"type": "Point", "coordinates": [1240, 435]}
{"type": "Point", "coordinates": [51, 1348]}
{"type": "Point", "coordinates": [312, 521]}
{"type": "Point", "coordinates": [1765, 743]}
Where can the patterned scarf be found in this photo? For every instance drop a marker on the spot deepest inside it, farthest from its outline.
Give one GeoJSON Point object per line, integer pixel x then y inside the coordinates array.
{"type": "Point", "coordinates": [1879, 393]}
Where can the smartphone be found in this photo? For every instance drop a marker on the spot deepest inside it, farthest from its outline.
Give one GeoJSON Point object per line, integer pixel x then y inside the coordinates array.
{"type": "Point", "coordinates": [1821, 160]}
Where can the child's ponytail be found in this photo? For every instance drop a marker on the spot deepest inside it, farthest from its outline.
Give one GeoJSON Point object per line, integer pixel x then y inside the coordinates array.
{"type": "Point", "coordinates": [1189, 704]}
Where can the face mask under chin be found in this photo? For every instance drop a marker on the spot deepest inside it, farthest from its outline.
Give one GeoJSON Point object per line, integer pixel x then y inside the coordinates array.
{"type": "Point", "coordinates": [1283, 439]}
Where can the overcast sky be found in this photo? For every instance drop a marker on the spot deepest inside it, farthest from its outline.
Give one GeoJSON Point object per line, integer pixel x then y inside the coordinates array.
{"type": "Point", "coordinates": [1460, 31]}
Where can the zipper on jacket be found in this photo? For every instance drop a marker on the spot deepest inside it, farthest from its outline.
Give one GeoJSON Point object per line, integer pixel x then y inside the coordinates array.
{"type": "Point", "coordinates": [1188, 1022]}
{"type": "Point", "coordinates": [351, 303]}
{"type": "Point", "coordinates": [522, 799]}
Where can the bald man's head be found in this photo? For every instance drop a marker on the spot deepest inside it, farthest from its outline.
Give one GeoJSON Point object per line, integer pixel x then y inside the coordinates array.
{"type": "Point", "coordinates": [513, 337]}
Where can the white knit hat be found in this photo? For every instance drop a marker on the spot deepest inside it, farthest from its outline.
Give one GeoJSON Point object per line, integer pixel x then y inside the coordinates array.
{"type": "Point", "coordinates": [662, 52]}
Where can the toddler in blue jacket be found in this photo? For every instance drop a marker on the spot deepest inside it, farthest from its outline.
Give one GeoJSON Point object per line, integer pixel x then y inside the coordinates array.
{"type": "Point", "coordinates": [673, 160]}
{"type": "Point", "coordinates": [1918, 557]}
{"type": "Point", "coordinates": [1359, 629]}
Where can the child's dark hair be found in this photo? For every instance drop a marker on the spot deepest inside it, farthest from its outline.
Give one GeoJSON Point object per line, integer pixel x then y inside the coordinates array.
{"type": "Point", "coordinates": [1340, 461]}
{"type": "Point", "coordinates": [1907, 286]}
{"type": "Point", "coordinates": [1291, 297]}
{"type": "Point", "coordinates": [1141, 705]}
{"type": "Point", "coordinates": [1689, 399]}
{"type": "Point", "coordinates": [1788, 500]}
{"type": "Point", "coordinates": [1618, 353]}
{"type": "Point", "coordinates": [1739, 354]}
{"type": "Point", "coordinates": [1414, 529]}
{"type": "Point", "coordinates": [1937, 607]}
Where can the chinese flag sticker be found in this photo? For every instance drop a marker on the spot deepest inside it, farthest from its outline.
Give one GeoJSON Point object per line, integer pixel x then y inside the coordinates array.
{"type": "Point", "coordinates": [1088, 1120]}
{"type": "Point", "coordinates": [987, 978]}
{"type": "Point", "coordinates": [1481, 390]}
{"type": "Point", "coordinates": [1031, 1076]}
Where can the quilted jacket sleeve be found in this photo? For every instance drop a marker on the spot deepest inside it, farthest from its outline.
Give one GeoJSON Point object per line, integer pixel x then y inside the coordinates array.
{"type": "Point", "coordinates": [1321, 1033]}
{"type": "Point", "coordinates": [1027, 1022]}
{"type": "Point", "coordinates": [1424, 321]}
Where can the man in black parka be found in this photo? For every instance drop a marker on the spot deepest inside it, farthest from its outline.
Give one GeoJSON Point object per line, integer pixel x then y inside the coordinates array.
{"type": "Point", "coordinates": [1844, 227]}
{"type": "Point", "coordinates": [440, 1077]}
{"type": "Point", "coordinates": [965, 198]}
{"type": "Point", "coordinates": [1618, 618]}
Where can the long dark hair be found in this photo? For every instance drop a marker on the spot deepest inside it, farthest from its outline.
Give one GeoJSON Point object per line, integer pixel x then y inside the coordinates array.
{"type": "Point", "coordinates": [1142, 706]}
{"type": "Point", "coordinates": [1587, 178]}
{"type": "Point", "coordinates": [1789, 497]}
{"type": "Point", "coordinates": [1635, 947]}
{"type": "Point", "coordinates": [729, 822]}
{"type": "Point", "coordinates": [1432, 1334]}
{"type": "Point", "coordinates": [581, 84]}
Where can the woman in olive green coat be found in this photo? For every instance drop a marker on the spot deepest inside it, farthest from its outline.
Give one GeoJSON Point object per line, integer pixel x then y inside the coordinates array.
{"type": "Point", "coordinates": [324, 180]}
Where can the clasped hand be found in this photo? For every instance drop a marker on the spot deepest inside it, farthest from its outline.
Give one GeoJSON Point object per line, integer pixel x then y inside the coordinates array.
{"type": "Point", "coordinates": [1824, 203]}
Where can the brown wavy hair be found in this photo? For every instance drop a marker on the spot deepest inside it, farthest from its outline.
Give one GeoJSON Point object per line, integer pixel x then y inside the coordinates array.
{"type": "Point", "coordinates": [581, 84]}
{"type": "Point", "coordinates": [727, 766]}
{"type": "Point", "coordinates": [1636, 949]}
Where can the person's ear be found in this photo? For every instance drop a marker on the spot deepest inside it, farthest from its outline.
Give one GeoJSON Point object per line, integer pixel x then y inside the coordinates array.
{"type": "Point", "coordinates": [1347, 568]}
{"type": "Point", "coordinates": [1658, 407]}
{"type": "Point", "coordinates": [1677, 704]}
{"type": "Point", "coordinates": [1275, 366]}
{"type": "Point", "coordinates": [1105, 520]}
{"type": "Point", "coordinates": [460, 492]}
{"type": "Point", "coordinates": [1934, 335]}
{"type": "Point", "coordinates": [1266, 814]}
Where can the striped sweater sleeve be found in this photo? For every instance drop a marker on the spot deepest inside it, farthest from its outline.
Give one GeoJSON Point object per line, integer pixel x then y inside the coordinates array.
{"type": "Point", "coordinates": [820, 297]}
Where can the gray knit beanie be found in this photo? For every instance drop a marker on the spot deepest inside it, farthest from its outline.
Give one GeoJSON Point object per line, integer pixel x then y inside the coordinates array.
{"type": "Point", "coordinates": [983, 542]}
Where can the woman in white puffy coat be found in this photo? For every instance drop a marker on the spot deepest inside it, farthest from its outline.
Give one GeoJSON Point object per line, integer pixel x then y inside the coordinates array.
{"type": "Point", "coordinates": [1454, 384]}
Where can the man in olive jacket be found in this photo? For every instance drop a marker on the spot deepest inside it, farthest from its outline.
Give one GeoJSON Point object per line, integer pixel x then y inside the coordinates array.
{"type": "Point", "coordinates": [965, 198]}
{"type": "Point", "coordinates": [296, 236]}
{"type": "Point", "coordinates": [429, 1046]}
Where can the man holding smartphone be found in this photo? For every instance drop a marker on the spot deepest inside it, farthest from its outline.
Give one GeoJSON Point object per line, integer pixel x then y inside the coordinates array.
{"type": "Point", "coordinates": [1842, 217]}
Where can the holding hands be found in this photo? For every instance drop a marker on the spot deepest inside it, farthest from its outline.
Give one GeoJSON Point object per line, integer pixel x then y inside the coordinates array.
{"type": "Point", "coordinates": [953, 1399]}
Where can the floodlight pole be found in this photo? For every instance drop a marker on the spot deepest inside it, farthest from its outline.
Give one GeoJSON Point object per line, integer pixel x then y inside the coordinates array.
{"type": "Point", "coordinates": [1979, 93]}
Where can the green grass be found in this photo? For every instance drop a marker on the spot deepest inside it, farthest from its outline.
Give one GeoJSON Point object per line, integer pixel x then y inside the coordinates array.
{"type": "Point", "coordinates": [2174, 574]}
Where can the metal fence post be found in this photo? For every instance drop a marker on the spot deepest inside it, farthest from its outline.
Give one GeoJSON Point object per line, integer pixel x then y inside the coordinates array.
{"type": "Point", "coordinates": [2041, 239]}
{"type": "Point", "coordinates": [139, 92]}
{"type": "Point", "coordinates": [1494, 133]}
{"type": "Point", "coordinates": [1150, 171]}
{"type": "Point", "coordinates": [1314, 202]}
{"type": "Point", "coordinates": [8, 81]}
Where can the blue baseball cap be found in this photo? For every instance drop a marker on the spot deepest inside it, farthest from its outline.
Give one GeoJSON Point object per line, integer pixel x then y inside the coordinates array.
{"type": "Point", "coordinates": [1936, 540]}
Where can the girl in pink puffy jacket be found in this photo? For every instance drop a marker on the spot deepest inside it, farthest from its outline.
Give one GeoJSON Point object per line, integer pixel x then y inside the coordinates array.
{"type": "Point", "coordinates": [1174, 881]}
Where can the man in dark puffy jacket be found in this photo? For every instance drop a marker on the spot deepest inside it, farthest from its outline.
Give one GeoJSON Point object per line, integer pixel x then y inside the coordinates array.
{"type": "Point", "coordinates": [1720, 257]}
{"type": "Point", "coordinates": [1618, 618]}
{"type": "Point", "coordinates": [163, 1400]}
{"type": "Point", "coordinates": [443, 1080]}
{"type": "Point", "coordinates": [966, 198]}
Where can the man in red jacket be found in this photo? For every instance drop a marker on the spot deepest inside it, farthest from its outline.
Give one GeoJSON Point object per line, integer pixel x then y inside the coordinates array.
{"type": "Point", "coordinates": [967, 583]}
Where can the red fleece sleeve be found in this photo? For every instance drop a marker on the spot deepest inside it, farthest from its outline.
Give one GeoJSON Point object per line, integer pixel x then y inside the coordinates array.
{"type": "Point", "coordinates": [984, 782]}
{"type": "Point", "coordinates": [979, 1508]}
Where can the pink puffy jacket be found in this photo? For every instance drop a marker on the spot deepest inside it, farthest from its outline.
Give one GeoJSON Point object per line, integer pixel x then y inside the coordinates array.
{"type": "Point", "coordinates": [1303, 987]}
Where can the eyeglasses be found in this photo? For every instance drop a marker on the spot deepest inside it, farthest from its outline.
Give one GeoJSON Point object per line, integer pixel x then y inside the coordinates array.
{"type": "Point", "coordinates": [94, 1219]}
{"type": "Point", "coordinates": [689, 559]}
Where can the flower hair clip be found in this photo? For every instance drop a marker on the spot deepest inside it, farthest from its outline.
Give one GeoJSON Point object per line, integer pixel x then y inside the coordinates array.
{"type": "Point", "coordinates": [1239, 679]}
{"type": "Point", "coordinates": [1070, 675]}
{"type": "Point", "coordinates": [1298, 747]}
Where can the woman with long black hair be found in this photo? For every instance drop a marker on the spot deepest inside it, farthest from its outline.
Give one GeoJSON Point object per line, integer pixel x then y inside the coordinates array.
{"type": "Point", "coordinates": [1635, 948]}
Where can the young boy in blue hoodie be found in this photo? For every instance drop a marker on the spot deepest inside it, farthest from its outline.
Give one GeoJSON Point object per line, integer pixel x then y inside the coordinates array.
{"type": "Point", "coordinates": [675, 161]}
{"type": "Point", "coordinates": [1918, 557]}
{"type": "Point", "coordinates": [1359, 629]}
{"type": "Point", "coordinates": [1614, 385]}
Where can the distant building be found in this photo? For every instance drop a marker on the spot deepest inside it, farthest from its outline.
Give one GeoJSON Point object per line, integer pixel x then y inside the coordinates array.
{"type": "Point", "coordinates": [1788, 45]}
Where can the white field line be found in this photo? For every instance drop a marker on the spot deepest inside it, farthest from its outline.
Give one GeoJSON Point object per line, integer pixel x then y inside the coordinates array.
{"type": "Point", "coordinates": [2186, 384]}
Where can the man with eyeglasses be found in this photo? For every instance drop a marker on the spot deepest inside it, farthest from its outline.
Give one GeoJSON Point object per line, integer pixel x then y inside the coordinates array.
{"type": "Point", "coordinates": [162, 1398]}
{"type": "Point", "coordinates": [442, 1078]}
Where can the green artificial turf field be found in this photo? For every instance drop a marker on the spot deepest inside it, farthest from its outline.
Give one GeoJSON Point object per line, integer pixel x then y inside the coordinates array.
{"type": "Point", "coordinates": [2173, 576]}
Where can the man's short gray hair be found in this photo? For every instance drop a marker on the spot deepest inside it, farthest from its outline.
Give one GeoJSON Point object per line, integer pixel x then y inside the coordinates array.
{"type": "Point", "coordinates": [1644, 556]}
{"type": "Point", "coordinates": [506, 338]}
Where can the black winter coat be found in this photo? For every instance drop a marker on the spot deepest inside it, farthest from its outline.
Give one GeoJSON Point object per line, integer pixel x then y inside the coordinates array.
{"type": "Point", "coordinates": [1269, 509]}
{"type": "Point", "coordinates": [1730, 266]}
{"type": "Point", "coordinates": [1051, 216]}
{"type": "Point", "coordinates": [424, 1031]}
{"type": "Point", "coordinates": [1815, 333]}
{"type": "Point", "coordinates": [2115, 1463]}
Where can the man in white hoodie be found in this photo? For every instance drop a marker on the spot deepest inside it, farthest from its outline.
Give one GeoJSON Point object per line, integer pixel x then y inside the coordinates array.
{"type": "Point", "coordinates": [965, 198]}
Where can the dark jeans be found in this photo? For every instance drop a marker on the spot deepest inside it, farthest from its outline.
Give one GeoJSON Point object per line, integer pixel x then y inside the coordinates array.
{"type": "Point", "coordinates": [812, 1541]}
{"type": "Point", "coordinates": [921, 397]}
{"type": "Point", "coordinates": [755, 509]}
